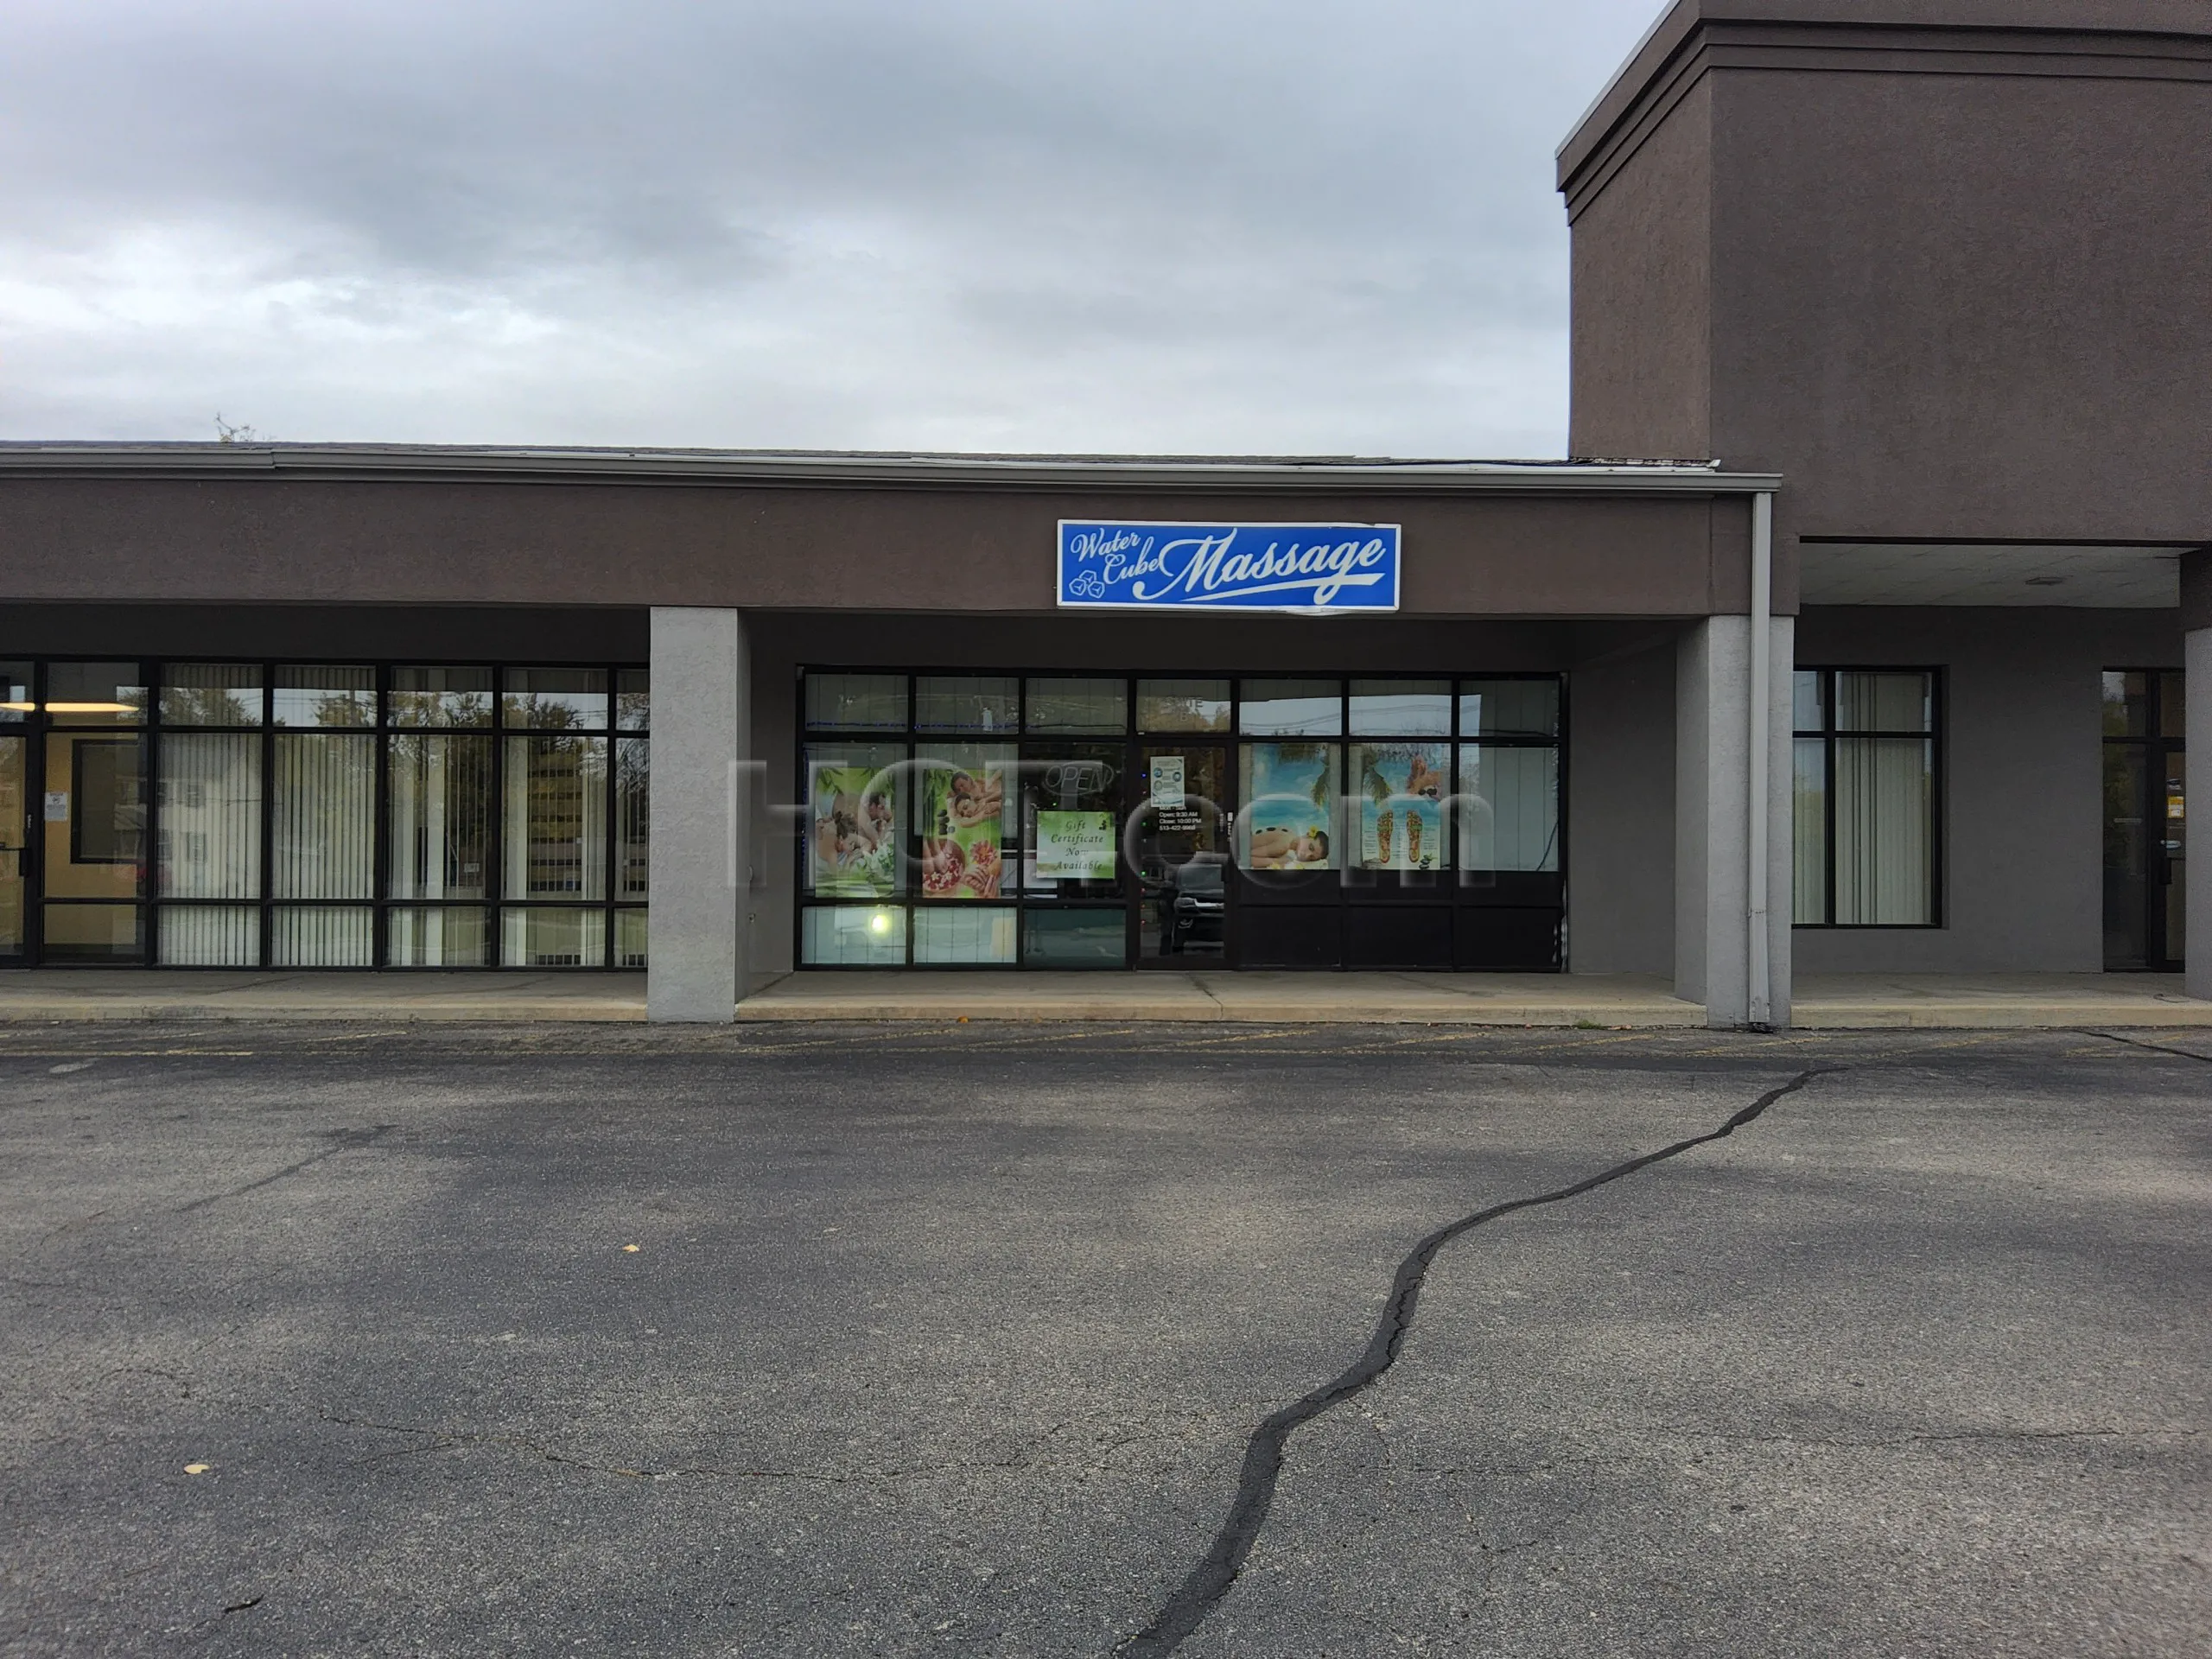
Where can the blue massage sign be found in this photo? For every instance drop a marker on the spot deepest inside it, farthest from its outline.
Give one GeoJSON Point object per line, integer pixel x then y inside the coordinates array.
{"type": "Point", "coordinates": [1315, 569]}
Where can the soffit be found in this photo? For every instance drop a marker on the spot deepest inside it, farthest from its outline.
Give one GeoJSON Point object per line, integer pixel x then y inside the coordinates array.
{"type": "Point", "coordinates": [1879, 573]}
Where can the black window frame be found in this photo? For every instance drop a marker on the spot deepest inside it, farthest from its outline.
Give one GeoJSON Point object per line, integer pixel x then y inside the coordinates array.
{"type": "Point", "coordinates": [149, 731]}
{"type": "Point", "coordinates": [1939, 775]}
{"type": "Point", "coordinates": [1454, 886]}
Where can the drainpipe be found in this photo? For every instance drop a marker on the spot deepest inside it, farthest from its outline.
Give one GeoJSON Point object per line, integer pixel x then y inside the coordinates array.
{"type": "Point", "coordinates": [1759, 1010]}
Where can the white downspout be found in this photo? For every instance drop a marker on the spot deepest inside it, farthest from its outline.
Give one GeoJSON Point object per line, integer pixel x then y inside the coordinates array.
{"type": "Point", "coordinates": [1759, 1010]}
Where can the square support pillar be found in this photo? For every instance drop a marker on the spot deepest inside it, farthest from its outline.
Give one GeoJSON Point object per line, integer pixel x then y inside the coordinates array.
{"type": "Point", "coordinates": [701, 865]}
{"type": "Point", "coordinates": [1712, 842]}
{"type": "Point", "coordinates": [2197, 796]}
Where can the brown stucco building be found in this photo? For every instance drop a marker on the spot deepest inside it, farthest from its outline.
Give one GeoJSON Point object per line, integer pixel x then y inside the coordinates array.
{"type": "Point", "coordinates": [1896, 682]}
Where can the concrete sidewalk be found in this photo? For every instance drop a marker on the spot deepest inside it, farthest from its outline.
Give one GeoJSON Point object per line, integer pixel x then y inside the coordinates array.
{"type": "Point", "coordinates": [1841, 1002]}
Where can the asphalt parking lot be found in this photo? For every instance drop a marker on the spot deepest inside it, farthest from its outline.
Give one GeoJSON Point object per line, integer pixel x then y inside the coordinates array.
{"type": "Point", "coordinates": [902, 1340]}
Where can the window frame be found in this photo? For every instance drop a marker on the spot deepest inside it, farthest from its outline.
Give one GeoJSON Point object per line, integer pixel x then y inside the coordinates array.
{"type": "Point", "coordinates": [1455, 884]}
{"type": "Point", "coordinates": [1938, 765]}
{"type": "Point", "coordinates": [150, 731]}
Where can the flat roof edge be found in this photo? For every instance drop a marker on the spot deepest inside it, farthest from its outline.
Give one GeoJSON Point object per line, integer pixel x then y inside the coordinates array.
{"type": "Point", "coordinates": [1307, 474]}
{"type": "Point", "coordinates": [1934, 22]}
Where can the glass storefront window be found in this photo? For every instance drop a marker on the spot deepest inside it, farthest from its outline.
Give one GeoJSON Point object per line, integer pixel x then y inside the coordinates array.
{"type": "Point", "coordinates": [442, 697]}
{"type": "Point", "coordinates": [1508, 708]}
{"type": "Point", "coordinates": [95, 694]}
{"type": "Point", "coordinates": [853, 936]}
{"type": "Point", "coordinates": [1292, 708]}
{"type": "Point", "coordinates": [1864, 792]}
{"type": "Point", "coordinates": [322, 935]}
{"type": "Point", "coordinates": [633, 699]}
{"type": "Point", "coordinates": [440, 817]}
{"type": "Point", "coordinates": [1809, 700]}
{"type": "Point", "coordinates": [1075, 938]}
{"type": "Point", "coordinates": [553, 699]}
{"type": "Point", "coordinates": [196, 836]}
{"type": "Point", "coordinates": [1808, 813]}
{"type": "Point", "coordinates": [630, 931]}
{"type": "Point", "coordinates": [1138, 835]}
{"type": "Point", "coordinates": [1183, 705]}
{"type": "Point", "coordinates": [209, 936]}
{"type": "Point", "coordinates": [1509, 807]}
{"type": "Point", "coordinates": [1072, 819]}
{"type": "Point", "coordinates": [335, 695]}
{"type": "Point", "coordinates": [632, 817]}
{"type": "Point", "coordinates": [323, 822]}
{"type": "Point", "coordinates": [15, 847]}
{"type": "Point", "coordinates": [1882, 701]}
{"type": "Point", "coordinates": [209, 802]}
{"type": "Point", "coordinates": [960, 818]}
{"type": "Point", "coordinates": [1884, 830]}
{"type": "Point", "coordinates": [853, 820]}
{"type": "Point", "coordinates": [92, 933]}
{"type": "Point", "coordinates": [1078, 706]}
{"type": "Point", "coordinates": [1402, 708]}
{"type": "Point", "coordinates": [1400, 789]}
{"type": "Point", "coordinates": [554, 830]}
{"type": "Point", "coordinates": [95, 815]}
{"type": "Point", "coordinates": [446, 936]}
{"type": "Point", "coordinates": [855, 702]}
{"type": "Point", "coordinates": [949, 936]}
{"type": "Point", "coordinates": [547, 938]}
{"type": "Point", "coordinates": [1288, 820]}
{"type": "Point", "coordinates": [211, 694]}
{"type": "Point", "coordinates": [966, 704]}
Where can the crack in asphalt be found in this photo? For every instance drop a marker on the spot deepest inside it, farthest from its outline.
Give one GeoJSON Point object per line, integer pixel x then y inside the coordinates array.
{"type": "Point", "coordinates": [1218, 1571]}
{"type": "Point", "coordinates": [2153, 1048]}
{"type": "Point", "coordinates": [341, 1140]}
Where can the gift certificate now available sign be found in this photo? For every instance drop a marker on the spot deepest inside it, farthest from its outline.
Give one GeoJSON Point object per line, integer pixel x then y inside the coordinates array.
{"type": "Point", "coordinates": [1309, 568]}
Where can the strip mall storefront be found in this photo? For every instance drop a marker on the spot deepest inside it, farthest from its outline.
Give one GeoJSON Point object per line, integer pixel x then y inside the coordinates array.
{"type": "Point", "coordinates": [1097, 820]}
{"type": "Point", "coordinates": [718, 718]}
{"type": "Point", "coordinates": [323, 814]}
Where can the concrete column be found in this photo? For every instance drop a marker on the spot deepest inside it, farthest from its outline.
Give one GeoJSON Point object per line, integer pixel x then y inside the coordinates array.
{"type": "Point", "coordinates": [2196, 797]}
{"type": "Point", "coordinates": [1713, 818]}
{"type": "Point", "coordinates": [701, 866]}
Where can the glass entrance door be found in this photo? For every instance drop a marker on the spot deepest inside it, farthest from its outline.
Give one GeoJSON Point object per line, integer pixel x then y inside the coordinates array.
{"type": "Point", "coordinates": [15, 847]}
{"type": "Point", "coordinates": [2146, 826]}
{"type": "Point", "coordinates": [1177, 850]}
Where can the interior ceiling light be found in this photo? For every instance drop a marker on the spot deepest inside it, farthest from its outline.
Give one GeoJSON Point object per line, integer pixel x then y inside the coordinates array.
{"type": "Point", "coordinates": [90, 707]}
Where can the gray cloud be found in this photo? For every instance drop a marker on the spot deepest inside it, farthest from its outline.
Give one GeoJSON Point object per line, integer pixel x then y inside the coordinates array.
{"type": "Point", "coordinates": [1226, 226]}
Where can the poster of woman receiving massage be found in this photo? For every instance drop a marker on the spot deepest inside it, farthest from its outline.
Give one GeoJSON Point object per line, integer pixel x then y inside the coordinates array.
{"type": "Point", "coordinates": [1290, 790]}
{"type": "Point", "coordinates": [960, 808]}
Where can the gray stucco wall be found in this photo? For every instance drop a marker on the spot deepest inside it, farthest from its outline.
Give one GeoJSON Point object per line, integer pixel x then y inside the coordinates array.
{"type": "Point", "coordinates": [1929, 259]}
{"type": "Point", "coordinates": [2021, 789]}
{"type": "Point", "coordinates": [1620, 801]}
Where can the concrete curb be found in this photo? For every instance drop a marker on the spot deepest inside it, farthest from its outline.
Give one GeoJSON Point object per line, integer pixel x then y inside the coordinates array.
{"type": "Point", "coordinates": [1189, 1014]}
{"type": "Point", "coordinates": [107, 1011]}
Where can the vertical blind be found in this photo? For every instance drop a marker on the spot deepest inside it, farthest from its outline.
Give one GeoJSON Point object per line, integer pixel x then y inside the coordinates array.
{"type": "Point", "coordinates": [1864, 798]}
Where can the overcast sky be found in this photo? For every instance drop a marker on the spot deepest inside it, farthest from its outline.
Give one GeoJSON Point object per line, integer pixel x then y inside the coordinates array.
{"type": "Point", "coordinates": [1208, 225]}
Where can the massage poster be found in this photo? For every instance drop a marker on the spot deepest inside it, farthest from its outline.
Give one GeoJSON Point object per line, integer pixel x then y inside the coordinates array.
{"type": "Point", "coordinates": [1401, 789]}
{"type": "Point", "coordinates": [960, 805]}
{"type": "Point", "coordinates": [852, 821]}
{"type": "Point", "coordinates": [1289, 789]}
